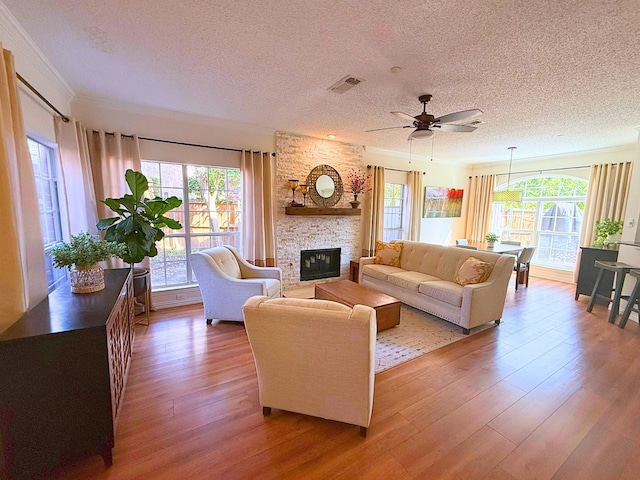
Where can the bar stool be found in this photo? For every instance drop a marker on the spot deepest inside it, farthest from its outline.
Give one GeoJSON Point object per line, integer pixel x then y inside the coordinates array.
{"type": "Point", "coordinates": [634, 299]}
{"type": "Point", "coordinates": [620, 270]}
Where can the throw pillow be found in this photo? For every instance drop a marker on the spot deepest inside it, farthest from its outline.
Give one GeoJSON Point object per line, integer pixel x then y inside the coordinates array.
{"type": "Point", "coordinates": [473, 271]}
{"type": "Point", "coordinates": [388, 253]}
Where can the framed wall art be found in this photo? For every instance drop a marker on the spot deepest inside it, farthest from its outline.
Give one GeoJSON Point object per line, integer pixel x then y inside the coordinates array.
{"type": "Point", "coordinates": [441, 202]}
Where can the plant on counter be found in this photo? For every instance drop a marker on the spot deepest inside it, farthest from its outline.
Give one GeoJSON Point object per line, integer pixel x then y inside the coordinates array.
{"type": "Point", "coordinates": [604, 228]}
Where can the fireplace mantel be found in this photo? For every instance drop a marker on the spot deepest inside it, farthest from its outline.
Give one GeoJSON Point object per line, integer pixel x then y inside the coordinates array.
{"type": "Point", "coordinates": [321, 211]}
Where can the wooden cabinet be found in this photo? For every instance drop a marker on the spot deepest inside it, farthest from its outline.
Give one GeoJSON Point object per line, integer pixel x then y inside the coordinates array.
{"type": "Point", "coordinates": [588, 273]}
{"type": "Point", "coordinates": [64, 366]}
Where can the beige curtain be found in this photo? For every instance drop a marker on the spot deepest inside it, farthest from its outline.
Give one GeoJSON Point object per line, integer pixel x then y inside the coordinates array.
{"type": "Point", "coordinates": [606, 197]}
{"type": "Point", "coordinates": [77, 178]}
{"type": "Point", "coordinates": [373, 213]}
{"type": "Point", "coordinates": [479, 206]}
{"type": "Point", "coordinates": [23, 282]}
{"type": "Point", "coordinates": [110, 156]}
{"type": "Point", "coordinates": [258, 231]}
{"type": "Point", "coordinates": [414, 201]}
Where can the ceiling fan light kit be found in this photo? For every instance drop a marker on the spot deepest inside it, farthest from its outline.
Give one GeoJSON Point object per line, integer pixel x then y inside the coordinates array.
{"type": "Point", "coordinates": [424, 122]}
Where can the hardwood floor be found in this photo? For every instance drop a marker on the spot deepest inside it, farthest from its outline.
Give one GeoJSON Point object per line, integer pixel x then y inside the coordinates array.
{"type": "Point", "coordinates": [551, 393]}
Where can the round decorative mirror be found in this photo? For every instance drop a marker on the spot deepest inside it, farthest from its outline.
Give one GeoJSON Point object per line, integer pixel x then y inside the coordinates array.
{"type": "Point", "coordinates": [325, 186]}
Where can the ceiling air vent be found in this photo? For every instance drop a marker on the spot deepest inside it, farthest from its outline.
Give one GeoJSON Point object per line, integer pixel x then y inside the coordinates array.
{"type": "Point", "coordinates": [347, 83]}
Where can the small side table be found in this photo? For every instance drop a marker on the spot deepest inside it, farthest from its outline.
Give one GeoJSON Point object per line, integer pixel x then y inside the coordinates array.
{"type": "Point", "coordinates": [143, 275]}
{"type": "Point", "coordinates": [354, 270]}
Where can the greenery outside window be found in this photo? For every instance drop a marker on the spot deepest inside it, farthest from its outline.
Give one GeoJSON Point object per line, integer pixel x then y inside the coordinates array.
{"type": "Point", "coordinates": [213, 210]}
{"type": "Point", "coordinates": [548, 217]}
{"type": "Point", "coordinates": [45, 170]}
{"type": "Point", "coordinates": [394, 201]}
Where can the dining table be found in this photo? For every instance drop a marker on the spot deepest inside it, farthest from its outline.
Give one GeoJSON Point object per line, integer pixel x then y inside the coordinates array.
{"type": "Point", "coordinates": [502, 248]}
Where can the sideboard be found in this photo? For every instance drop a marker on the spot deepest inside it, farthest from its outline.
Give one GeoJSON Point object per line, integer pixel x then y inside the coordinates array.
{"type": "Point", "coordinates": [63, 369]}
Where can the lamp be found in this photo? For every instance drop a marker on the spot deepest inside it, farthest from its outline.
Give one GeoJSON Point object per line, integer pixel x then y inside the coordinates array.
{"type": "Point", "coordinates": [293, 185]}
{"type": "Point", "coordinates": [508, 195]}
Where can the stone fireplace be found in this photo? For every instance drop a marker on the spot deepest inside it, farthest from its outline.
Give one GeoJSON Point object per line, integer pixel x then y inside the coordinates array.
{"type": "Point", "coordinates": [296, 156]}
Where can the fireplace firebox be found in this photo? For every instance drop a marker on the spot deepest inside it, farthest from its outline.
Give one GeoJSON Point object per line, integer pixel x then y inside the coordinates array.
{"type": "Point", "coordinates": [319, 263]}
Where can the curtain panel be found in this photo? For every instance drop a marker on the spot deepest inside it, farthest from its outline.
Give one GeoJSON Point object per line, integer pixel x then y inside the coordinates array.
{"type": "Point", "coordinates": [414, 201]}
{"type": "Point", "coordinates": [23, 282]}
{"type": "Point", "coordinates": [77, 177]}
{"type": "Point", "coordinates": [258, 230]}
{"type": "Point", "coordinates": [607, 195]}
{"type": "Point", "coordinates": [479, 207]}
{"type": "Point", "coordinates": [373, 213]}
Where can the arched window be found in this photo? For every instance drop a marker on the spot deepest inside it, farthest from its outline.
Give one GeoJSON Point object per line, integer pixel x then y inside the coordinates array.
{"type": "Point", "coordinates": [549, 217]}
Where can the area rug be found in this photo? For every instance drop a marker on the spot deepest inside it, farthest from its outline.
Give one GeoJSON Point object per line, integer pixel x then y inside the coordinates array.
{"type": "Point", "coordinates": [418, 333]}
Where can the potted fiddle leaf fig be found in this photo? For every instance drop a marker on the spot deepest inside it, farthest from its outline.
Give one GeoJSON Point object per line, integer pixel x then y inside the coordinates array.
{"type": "Point", "coordinates": [81, 256]}
{"type": "Point", "coordinates": [139, 220]}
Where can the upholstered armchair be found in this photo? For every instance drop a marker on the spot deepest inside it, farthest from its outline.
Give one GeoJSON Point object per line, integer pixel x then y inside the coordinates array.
{"type": "Point", "coordinates": [226, 281]}
{"type": "Point", "coordinates": [314, 357]}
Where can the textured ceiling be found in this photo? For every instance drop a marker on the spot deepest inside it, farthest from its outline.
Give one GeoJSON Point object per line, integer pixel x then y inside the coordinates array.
{"type": "Point", "coordinates": [552, 77]}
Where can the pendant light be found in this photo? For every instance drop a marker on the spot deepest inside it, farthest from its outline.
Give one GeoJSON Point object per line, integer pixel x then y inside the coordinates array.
{"type": "Point", "coordinates": [508, 195]}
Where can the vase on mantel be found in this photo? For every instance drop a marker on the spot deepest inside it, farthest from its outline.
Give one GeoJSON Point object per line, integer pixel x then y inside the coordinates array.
{"type": "Point", "coordinates": [355, 203]}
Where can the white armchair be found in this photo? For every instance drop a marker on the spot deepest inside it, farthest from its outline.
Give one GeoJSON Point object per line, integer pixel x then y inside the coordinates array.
{"type": "Point", "coordinates": [314, 357]}
{"type": "Point", "coordinates": [226, 281]}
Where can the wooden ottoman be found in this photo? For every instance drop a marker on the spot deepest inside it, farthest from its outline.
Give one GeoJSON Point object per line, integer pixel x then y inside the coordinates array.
{"type": "Point", "coordinates": [350, 293]}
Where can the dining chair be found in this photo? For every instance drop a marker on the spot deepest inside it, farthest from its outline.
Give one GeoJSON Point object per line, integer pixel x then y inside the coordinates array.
{"type": "Point", "coordinates": [523, 264]}
{"type": "Point", "coordinates": [461, 241]}
{"type": "Point", "coordinates": [511, 242]}
{"type": "Point", "coordinates": [470, 247]}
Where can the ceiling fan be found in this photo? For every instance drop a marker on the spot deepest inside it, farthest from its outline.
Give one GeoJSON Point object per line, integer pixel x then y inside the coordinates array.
{"type": "Point", "coordinates": [424, 122]}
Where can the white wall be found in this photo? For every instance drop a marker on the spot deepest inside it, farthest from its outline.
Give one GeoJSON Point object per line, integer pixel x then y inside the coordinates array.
{"type": "Point", "coordinates": [441, 231]}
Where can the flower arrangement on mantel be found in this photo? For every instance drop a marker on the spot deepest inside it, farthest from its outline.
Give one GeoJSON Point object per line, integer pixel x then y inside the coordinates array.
{"type": "Point", "coordinates": [357, 182]}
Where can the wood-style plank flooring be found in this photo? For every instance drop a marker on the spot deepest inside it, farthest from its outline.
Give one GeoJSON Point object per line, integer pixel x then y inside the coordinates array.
{"type": "Point", "coordinates": [551, 393]}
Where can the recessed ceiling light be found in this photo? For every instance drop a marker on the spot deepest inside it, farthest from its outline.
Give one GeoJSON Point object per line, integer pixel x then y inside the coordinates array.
{"type": "Point", "coordinates": [331, 135]}
{"type": "Point", "coordinates": [396, 69]}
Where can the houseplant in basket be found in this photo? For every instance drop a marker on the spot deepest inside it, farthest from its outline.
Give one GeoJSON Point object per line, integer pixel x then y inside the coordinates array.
{"type": "Point", "coordinates": [81, 256]}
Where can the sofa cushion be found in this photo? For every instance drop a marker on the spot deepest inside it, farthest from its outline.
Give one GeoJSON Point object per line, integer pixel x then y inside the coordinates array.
{"type": "Point", "coordinates": [444, 291]}
{"type": "Point", "coordinates": [409, 279]}
{"type": "Point", "coordinates": [381, 272]}
{"type": "Point", "coordinates": [388, 253]}
{"type": "Point", "coordinates": [473, 271]}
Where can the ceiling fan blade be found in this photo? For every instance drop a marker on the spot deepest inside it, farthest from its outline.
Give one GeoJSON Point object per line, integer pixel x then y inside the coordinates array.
{"type": "Point", "coordinates": [463, 116]}
{"type": "Point", "coordinates": [420, 133]}
{"type": "Point", "coordinates": [455, 128]}
{"type": "Point", "coordinates": [388, 128]}
{"type": "Point", "coordinates": [404, 116]}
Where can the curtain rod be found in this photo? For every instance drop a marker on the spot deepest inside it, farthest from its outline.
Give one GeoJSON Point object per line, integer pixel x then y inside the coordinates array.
{"type": "Point", "coordinates": [175, 142]}
{"type": "Point", "coordinates": [546, 170]}
{"type": "Point", "coordinates": [398, 170]}
{"type": "Point", "coordinates": [41, 97]}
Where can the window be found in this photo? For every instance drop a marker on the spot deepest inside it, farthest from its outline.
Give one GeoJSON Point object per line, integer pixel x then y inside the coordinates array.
{"type": "Point", "coordinates": [46, 175]}
{"type": "Point", "coordinates": [549, 217]}
{"type": "Point", "coordinates": [394, 197]}
{"type": "Point", "coordinates": [213, 211]}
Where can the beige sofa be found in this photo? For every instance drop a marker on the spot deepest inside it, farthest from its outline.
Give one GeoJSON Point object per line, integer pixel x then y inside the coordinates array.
{"type": "Point", "coordinates": [426, 276]}
{"type": "Point", "coordinates": [313, 357]}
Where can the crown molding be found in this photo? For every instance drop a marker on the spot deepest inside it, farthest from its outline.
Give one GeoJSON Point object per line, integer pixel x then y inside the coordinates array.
{"type": "Point", "coordinates": [21, 42]}
{"type": "Point", "coordinates": [413, 157]}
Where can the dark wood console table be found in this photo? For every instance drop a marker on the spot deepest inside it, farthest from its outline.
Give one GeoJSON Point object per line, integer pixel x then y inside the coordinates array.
{"type": "Point", "coordinates": [64, 368]}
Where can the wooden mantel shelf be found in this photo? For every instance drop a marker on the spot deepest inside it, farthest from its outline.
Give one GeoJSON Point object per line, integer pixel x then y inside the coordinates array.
{"type": "Point", "coordinates": [321, 211]}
